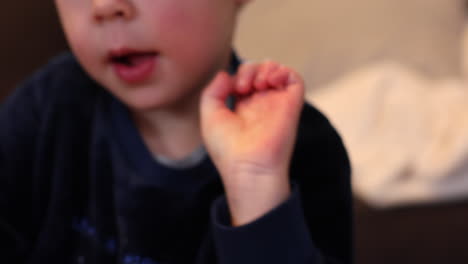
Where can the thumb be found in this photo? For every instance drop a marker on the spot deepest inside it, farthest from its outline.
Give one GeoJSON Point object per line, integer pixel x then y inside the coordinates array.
{"type": "Point", "coordinates": [215, 94]}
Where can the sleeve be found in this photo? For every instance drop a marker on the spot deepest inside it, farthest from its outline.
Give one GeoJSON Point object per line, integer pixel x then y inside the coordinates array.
{"type": "Point", "coordinates": [19, 120]}
{"type": "Point", "coordinates": [280, 236]}
{"type": "Point", "coordinates": [315, 224]}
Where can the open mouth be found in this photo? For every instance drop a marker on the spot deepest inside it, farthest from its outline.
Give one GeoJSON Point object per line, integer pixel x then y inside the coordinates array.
{"type": "Point", "coordinates": [133, 66]}
{"type": "Point", "coordinates": [132, 58]}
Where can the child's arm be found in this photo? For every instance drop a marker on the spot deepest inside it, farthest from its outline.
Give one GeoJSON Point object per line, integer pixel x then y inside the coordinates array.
{"type": "Point", "coordinates": [252, 145]}
{"type": "Point", "coordinates": [252, 148]}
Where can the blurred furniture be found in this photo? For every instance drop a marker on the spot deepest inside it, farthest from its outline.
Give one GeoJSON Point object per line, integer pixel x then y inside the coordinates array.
{"type": "Point", "coordinates": [407, 137]}
{"type": "Point", "coordinates": [433, 234]}
{"type": "Point", "coordinates": [30, 34]}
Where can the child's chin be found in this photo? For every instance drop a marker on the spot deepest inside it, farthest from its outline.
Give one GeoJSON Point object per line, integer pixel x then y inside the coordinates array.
{"type": "Point", "coordinates": [146, 97]}
{"type": "Point", "coordinates": [145, 104]}
{"type": "Point", "coordinates": [139, 99]}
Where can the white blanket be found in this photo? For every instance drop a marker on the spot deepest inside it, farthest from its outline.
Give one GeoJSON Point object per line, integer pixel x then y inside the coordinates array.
{"type": "Point", "coordinates": [407, 135]}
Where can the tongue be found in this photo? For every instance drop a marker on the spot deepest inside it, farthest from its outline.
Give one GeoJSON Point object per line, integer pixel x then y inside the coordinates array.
{"type": "Point", "coordinates": [137, 59]}
{"type": "Point", "coordinates": [136, 67]}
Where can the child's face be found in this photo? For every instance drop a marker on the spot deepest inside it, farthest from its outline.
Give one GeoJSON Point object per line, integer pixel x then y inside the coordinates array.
{"type": "Point", "coordinates": [150, 53]}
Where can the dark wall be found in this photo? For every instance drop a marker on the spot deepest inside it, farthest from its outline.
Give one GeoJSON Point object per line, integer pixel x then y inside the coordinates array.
{"type": "Point", "coordinates": [30, 34]}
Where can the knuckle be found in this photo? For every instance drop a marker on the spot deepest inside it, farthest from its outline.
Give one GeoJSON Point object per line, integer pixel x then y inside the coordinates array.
{"type": "Point", "coordinates": [247, 66]}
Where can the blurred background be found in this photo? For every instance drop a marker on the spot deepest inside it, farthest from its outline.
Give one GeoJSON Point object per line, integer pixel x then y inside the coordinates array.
{"type": "Point", "coordinates": [30, 35]}
{"type": "Point", "coordinates": [390, 75]}
{"type": "Point", "coordinates": [327, 38]}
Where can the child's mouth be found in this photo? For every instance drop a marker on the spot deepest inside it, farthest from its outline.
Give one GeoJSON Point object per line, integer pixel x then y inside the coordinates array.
{"type": "Point", "coordinates": [133, 66]}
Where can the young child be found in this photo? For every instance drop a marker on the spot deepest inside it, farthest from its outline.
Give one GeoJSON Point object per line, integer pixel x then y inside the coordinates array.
{"type": "Point", "coordinates": [128, 152]}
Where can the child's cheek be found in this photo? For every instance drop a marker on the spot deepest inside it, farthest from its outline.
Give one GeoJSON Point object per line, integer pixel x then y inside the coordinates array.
{"type": "Point", "coordinates": [82, 41]}
{"type": "Point", "coordinates": [77, 25]}
{"type": "Point", "coordinates": [189, 27]}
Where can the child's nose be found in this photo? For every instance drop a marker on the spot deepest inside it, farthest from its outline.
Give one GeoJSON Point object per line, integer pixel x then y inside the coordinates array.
{"type": "Point", "coordinates": [111, 9]}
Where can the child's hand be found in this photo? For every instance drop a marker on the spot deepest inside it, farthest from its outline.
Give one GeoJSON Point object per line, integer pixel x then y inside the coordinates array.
{"type": "Point", "coordinates": [252, 145]}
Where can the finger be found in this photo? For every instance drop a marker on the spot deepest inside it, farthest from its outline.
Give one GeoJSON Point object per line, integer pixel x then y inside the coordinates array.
{"type": "Point", "coordinates": [279, 77]}
{"type": "Point", "coordinates": [245, 77]}
{"type": "Point", "coordinates": [295, 84]}
{"type": "Point", "coordinates": [215, 94]}
{"type": "Point", "coordinates": [294, 78]}
{"type": "Point", "coordinates": [264, 71]}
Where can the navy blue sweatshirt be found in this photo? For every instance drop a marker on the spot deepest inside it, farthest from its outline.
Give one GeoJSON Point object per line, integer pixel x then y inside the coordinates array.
{"type": "Point", "coordinates": [78, 185]}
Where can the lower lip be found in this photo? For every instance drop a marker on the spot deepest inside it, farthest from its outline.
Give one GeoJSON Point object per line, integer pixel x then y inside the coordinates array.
{"type": "Point", "coordinates": [135, 73]}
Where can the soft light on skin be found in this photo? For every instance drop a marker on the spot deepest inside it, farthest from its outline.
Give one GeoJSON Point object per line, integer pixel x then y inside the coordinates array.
{"type": "Point", "coordinates": [193, 39]}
